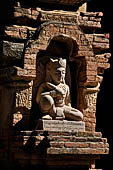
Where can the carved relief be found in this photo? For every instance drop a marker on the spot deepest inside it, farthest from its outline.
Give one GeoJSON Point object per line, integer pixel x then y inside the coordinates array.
{"type": "Point", "coordinates": [91, 99]}
{"type": "Point", "coordinates": [24, 97]}
{"type": "Point", "coordinates": [17, 117]}
{"type": "Point", "coordinates": [91, 94]}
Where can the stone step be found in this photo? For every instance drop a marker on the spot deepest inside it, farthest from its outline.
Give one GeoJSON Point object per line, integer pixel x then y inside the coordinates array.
{"type": "Point", "coordinates": [61, 142]}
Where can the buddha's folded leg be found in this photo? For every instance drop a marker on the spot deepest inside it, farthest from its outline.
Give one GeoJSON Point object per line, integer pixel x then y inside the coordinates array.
{"type": "Point", "coordinates": [47, 106]}
{"type": "Point", "coordinates": [72, 113]}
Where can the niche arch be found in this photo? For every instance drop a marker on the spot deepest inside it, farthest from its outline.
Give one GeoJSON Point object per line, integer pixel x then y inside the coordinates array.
{"type": "Point", "coordinates": [73, 44]}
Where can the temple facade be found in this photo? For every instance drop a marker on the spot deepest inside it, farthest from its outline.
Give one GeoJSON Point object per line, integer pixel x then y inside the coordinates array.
{"type": "Point", "coordinates": [36, 32]}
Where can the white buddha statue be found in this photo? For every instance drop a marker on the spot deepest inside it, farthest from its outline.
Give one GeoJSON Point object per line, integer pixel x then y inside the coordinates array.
{"type": "Point", "coordinates": [53, 95]}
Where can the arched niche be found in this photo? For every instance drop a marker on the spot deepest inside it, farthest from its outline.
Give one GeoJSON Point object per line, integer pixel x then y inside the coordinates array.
{"type": "Point", "coordinates": [72, 44]}
{"type": "Point", "coordinates": [64, 47]}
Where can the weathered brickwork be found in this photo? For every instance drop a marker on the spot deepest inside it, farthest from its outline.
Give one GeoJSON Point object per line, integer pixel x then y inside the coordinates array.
{"type": "Point", "coordinates": [83, 143]}
{"type": "Point", "coordinates": [35, 32]}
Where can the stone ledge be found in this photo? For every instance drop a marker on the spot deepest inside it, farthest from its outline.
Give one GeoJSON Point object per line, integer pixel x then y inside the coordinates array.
{"type": "Point", "coordinates": [17, 73]}
{"type": "Point", "coordinates": [55, 148]}
{"type": "Point", "coordinates": [60, 142]}
{"type": "Point", "coordinates": [84, 20]}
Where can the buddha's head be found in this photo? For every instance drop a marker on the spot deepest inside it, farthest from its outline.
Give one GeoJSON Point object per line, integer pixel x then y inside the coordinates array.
{"type": "Point", "coordinates": [56, 70]}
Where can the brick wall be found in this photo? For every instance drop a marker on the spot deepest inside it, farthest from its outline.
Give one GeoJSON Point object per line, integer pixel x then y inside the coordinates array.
{"type": "Point", "coordinates": [30, 34]}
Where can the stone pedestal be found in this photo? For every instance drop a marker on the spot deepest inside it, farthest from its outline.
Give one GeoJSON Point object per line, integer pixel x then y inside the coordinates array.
{"type": "Point", "coordinates": [58, 125]}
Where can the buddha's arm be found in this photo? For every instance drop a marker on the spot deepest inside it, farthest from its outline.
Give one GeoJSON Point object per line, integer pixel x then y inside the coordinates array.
{"type": "Point", "coordinates": [45, 89]}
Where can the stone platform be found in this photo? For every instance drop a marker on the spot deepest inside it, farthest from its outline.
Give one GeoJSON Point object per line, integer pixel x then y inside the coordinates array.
{"type": "Point", "coordinates": [59, 125]}
{"type": "Point", "coordinates": [53, 148]}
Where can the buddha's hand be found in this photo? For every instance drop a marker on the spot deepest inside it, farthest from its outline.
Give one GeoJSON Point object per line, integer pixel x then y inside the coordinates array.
{"type": "Point", "coordinates": [56, 91]}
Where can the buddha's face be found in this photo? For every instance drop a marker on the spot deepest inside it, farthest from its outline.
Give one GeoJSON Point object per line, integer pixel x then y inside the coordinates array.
{"type": "Point", "coordinates": [58, 74]}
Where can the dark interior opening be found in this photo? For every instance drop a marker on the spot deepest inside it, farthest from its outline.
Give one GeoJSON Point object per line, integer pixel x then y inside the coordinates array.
{"type": "Point", "coordinates": [73, 83]}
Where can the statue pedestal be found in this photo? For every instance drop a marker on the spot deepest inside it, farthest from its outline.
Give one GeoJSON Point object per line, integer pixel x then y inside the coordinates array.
{"type": "Point", "coordinates": [58, 125]}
